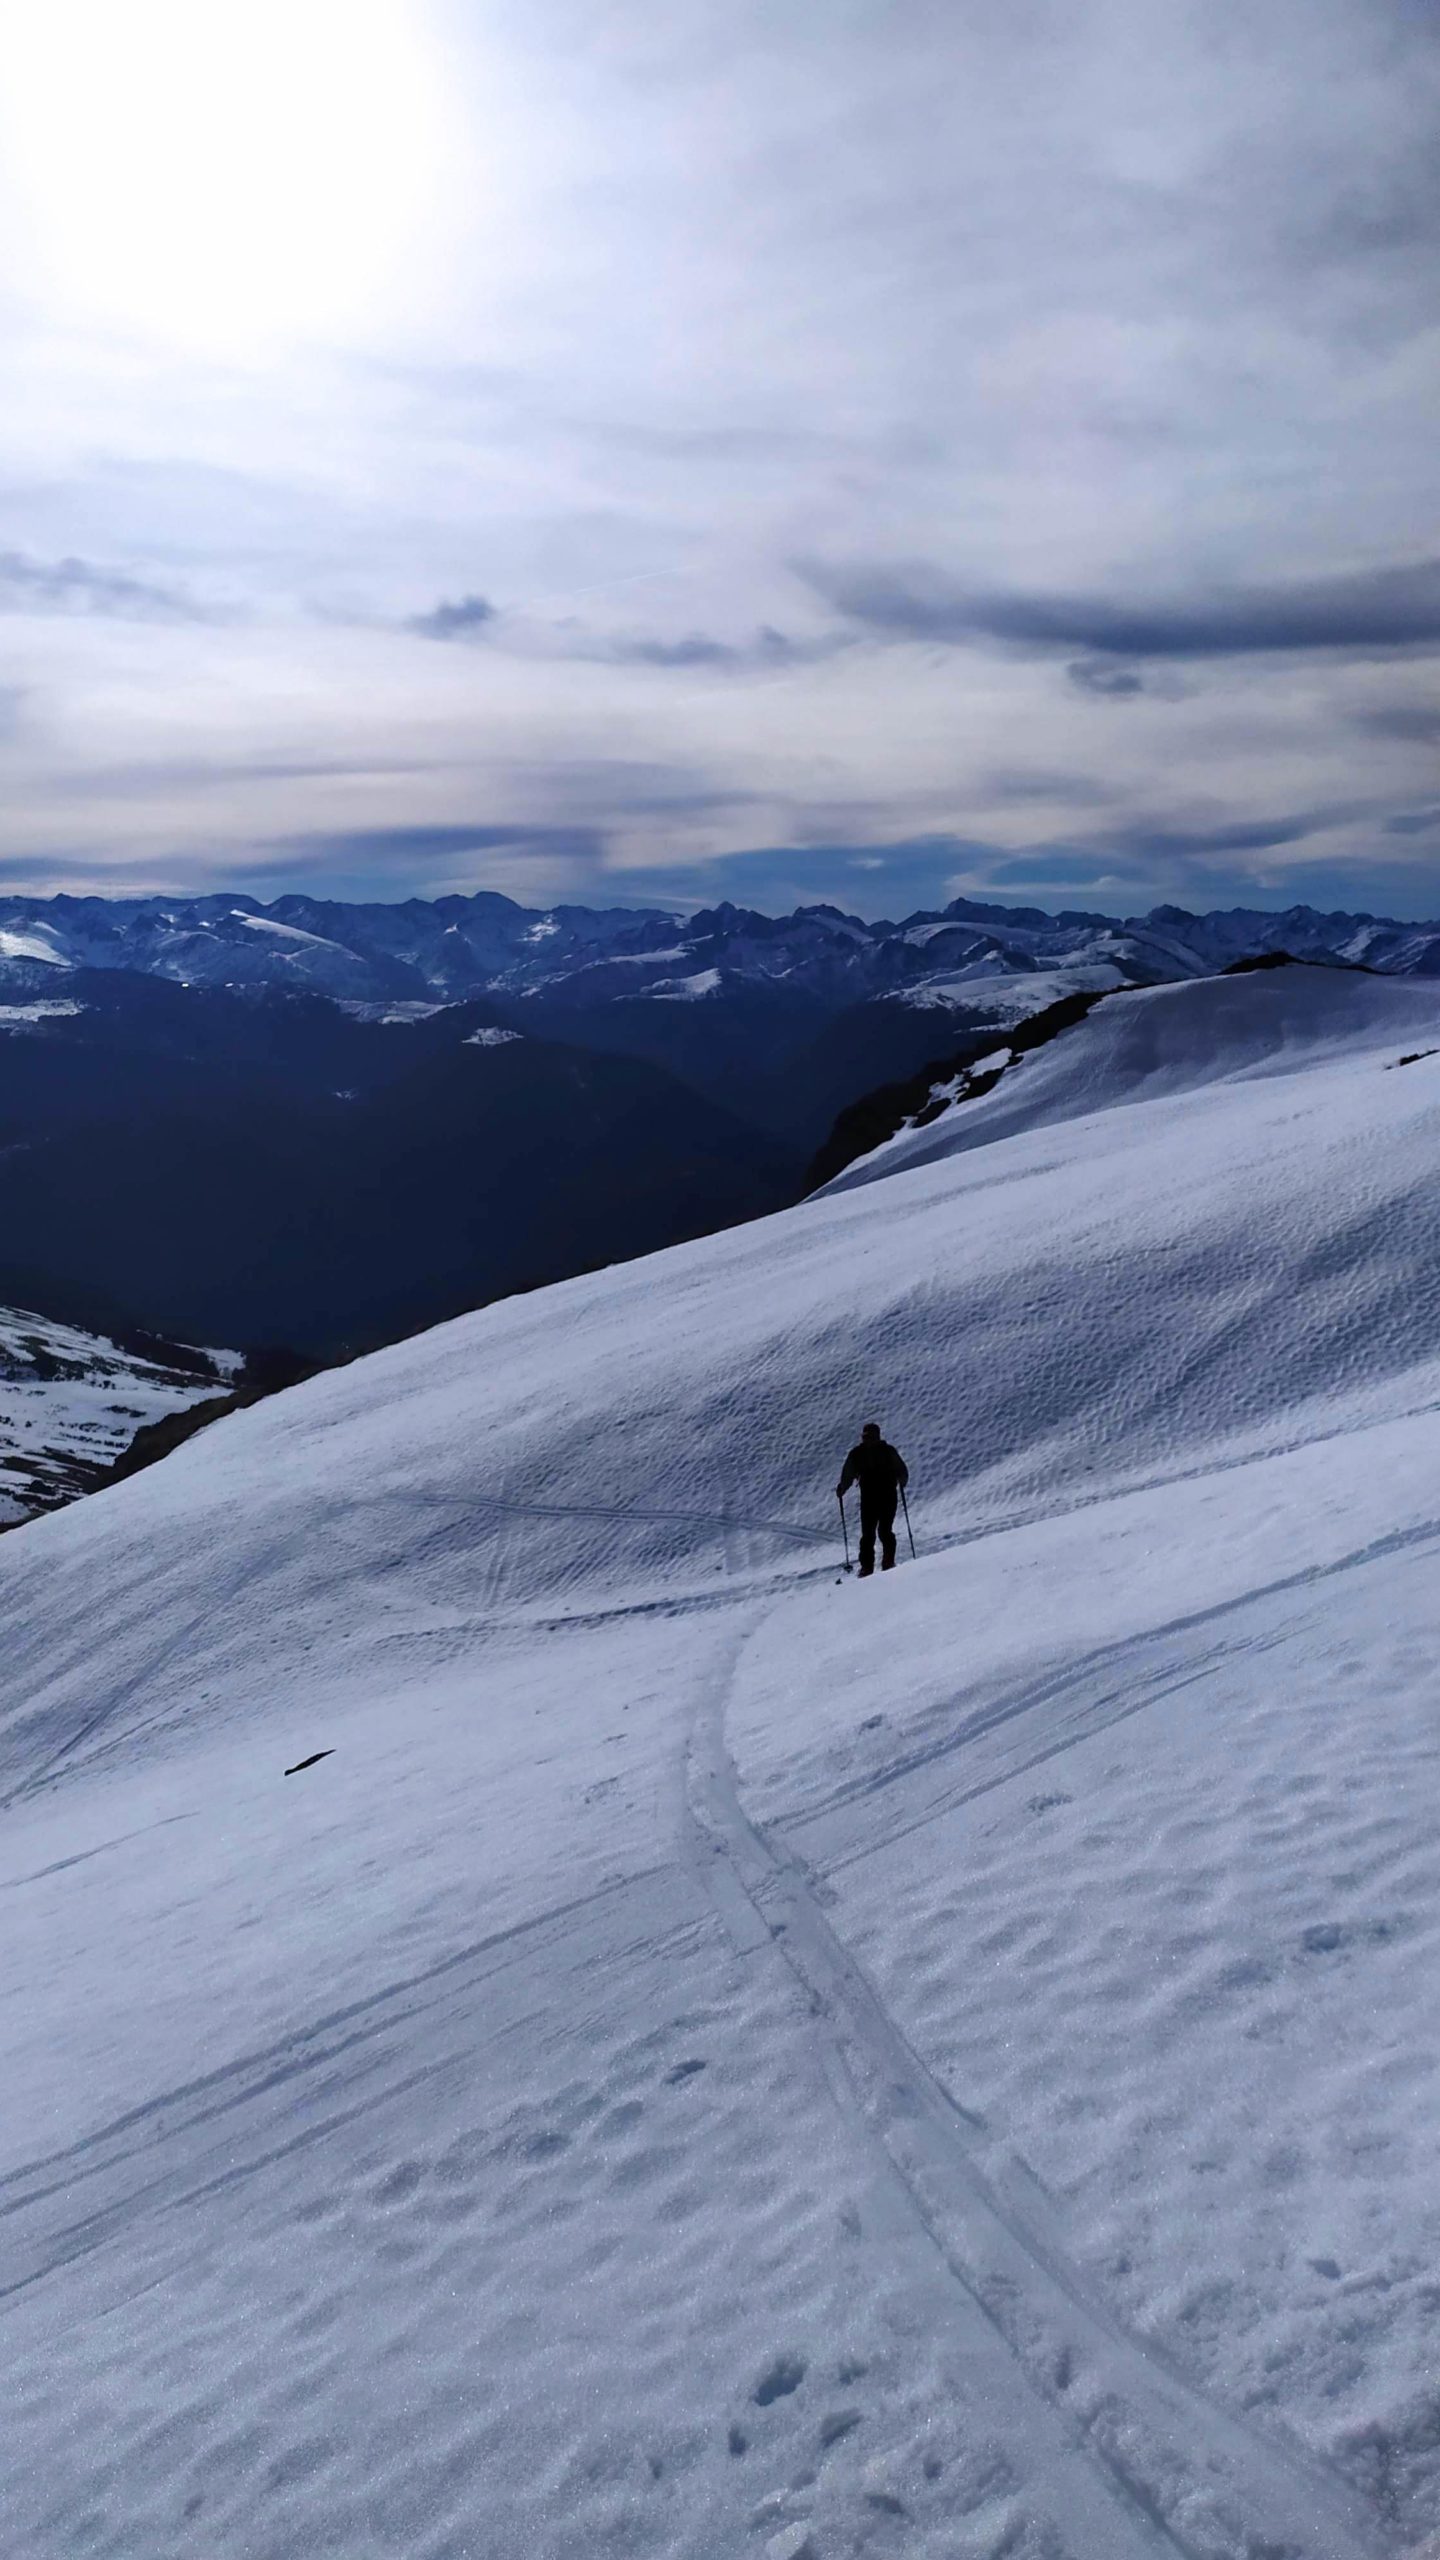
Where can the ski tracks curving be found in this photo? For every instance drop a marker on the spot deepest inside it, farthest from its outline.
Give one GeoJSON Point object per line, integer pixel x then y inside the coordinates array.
{"type": "Point", "coordinates": [1127, 2453]}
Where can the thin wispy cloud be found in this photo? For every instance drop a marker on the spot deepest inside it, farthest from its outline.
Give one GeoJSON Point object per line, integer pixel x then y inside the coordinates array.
{"type": "Point", "coordinates": [73, 586]}
{"type": "Point", "coordinates": [766, 651]}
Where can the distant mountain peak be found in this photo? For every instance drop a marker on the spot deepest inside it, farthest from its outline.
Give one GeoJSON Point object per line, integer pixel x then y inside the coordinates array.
{"type": "Point", "coordinates": [482, 943]}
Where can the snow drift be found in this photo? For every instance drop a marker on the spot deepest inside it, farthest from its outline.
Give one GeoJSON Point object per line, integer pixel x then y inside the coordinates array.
{"type": "Point", "coordinates": [716, 2057]}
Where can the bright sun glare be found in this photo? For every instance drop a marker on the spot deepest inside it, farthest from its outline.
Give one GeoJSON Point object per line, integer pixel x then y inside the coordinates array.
{"type": "Point", "coordinates": [227, 176]}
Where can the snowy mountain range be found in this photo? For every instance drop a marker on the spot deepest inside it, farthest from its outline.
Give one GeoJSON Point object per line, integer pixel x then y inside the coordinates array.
{"type": "Point", "coordinates": [446, 950]}
{"type": "Point", "coordinates": [542, 2019]}
{"type": "Point", "coordinates": [325, 1125]}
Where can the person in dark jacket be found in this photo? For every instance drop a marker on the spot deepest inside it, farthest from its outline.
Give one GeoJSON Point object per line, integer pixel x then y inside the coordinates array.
{"type": "Point", "coordinates": [879, 1471]}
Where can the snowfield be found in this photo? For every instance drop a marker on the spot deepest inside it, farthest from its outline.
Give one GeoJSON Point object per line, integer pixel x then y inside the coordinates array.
{"type": "Point", "coordinates": [717, 2059]}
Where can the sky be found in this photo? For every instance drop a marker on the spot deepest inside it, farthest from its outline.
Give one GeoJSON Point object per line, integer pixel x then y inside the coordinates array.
{"type": "Point", "coordinates": [883, 452]}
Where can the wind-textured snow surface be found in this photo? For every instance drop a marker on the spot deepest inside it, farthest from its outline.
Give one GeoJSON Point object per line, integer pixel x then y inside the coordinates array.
{"type": "Point", "coordinates": [720, 2058]}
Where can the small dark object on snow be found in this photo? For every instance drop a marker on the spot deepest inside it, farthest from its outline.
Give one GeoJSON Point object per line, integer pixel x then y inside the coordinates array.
{"type": "Point", "coordinates": [882, 1475]}
{"type": "Point", "coordinates": [294, 1772]}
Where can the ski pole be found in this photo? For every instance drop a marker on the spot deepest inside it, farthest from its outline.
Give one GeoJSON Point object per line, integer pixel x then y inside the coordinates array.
{"type": "Point", "coordinates": [844, 1529]}
{"type": "Point", "coordinates": [909, 1532]}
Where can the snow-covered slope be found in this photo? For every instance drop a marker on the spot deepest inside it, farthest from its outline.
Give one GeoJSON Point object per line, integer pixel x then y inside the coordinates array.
{"type": "Point", "coordinates": [1150, 1044]}
{"type": "Point", "coordinates": [718, 2057]}
{"type": "Point", "coordinates": [71, 1401]}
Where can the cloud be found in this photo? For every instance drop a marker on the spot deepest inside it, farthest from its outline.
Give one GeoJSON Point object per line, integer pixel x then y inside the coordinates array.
{"type": "Point", "coordinates": [1020, 786]}
{"type": "Point", "coordinates": [80, 587]}
{"type": "Point", "coordinates": [1413, 822]}
{"type": "Point", "coordinates": [1092, 675]}
{"type": "Point", "coordinates": [34, 871]}
{"type": "Point", "coordinates": [164, 774]}
{"type": "Point", "coordinates": [465, 619]}
{"type": "Point", "coordinates": [896, 876]}
{"type": "Point", "coordinates": [1362, 611]}
{"type": "Point", "coordinates": [423, 845]}
{"type": "Point", "coordinates": [1051, 867]}
{"type": "Point", "coordinates": [1169, 844]}
{"type": "Point", "coordinates": [767, 650]}
{"type": "Point", "coordinates": [1409, 723]}
{"type": "Point", "coordinates": [1120, 319]}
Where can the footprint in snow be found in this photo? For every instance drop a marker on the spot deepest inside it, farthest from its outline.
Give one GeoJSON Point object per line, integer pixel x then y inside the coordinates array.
{"type": "Point", "coordinates": [784, 2375]}
{"type": "Point", "coordinates": [398, 2183]}
{"type": "Point", "coordinates": [1332, 1937]}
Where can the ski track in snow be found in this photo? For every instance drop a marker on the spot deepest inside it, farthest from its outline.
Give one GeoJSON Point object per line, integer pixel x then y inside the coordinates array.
{"type": "Point", "coordinates": [1180, 2474]}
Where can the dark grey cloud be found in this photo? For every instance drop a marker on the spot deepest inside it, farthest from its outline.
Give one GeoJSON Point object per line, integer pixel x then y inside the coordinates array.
{"type": "Point", "coordinates": [1413, 822]}
{"type": "Point", "coordinates": [1049, 870]}
{"type": "Point", "coordinates": [473, 617]}
{"type": "Point", "coordinates": [1165, 844]}
{"type": "Point", "coordinates": [1360, 612]}
{"type": "Point", "coordinates": [1154, 857]}
{"type": "Point", "coordinates": [35, 871]}
{"type": "Point", "coordinates": [898, 876]}
{"type": "Point", "coordinates": [1093, 675]}
{"type": "Point", "coordinates": [768, 650]}
{"type": "Point", "coordinates": [74, 586]}
{"type": "Point", "coordinates": [1409, 723]}
{"type": "Point", "coordinates": [465, 619]}
{"type": "Point", "coordinates": [363, 862]}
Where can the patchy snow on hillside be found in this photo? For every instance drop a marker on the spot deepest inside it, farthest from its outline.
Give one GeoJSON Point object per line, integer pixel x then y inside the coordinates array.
{"type": "Point", "coordinates": [699, 2055]}
{"type": "Point", "coordinates": [71, 1402]}
{"type": "Point", "coordinates": [1007, 999]}
{"type": "Point", "coordinates": [22, 1017]}
{"type": "Point", "coordinates": [34, 942]}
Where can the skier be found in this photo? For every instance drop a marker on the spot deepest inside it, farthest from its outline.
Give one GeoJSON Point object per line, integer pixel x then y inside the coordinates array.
{"type": "Point", "coordinates": [879, 1471]}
